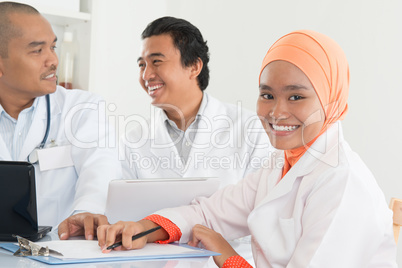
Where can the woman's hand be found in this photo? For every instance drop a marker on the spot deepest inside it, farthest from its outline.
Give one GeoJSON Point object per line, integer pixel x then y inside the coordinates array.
{"type": "Point", "coordinates": [212, 241]}
{"type": "Point", "coordinates": [124, 231]}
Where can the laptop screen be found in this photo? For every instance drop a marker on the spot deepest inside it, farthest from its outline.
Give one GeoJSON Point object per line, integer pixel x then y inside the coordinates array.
{"type": "Point", "coordinates": [18, 208]}
{"type": "Point", "coordinates": [132, 200]}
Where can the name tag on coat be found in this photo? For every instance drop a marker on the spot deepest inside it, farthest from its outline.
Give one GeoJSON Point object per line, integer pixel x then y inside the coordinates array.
{"type": "Point", "coordinates": [55, 157]}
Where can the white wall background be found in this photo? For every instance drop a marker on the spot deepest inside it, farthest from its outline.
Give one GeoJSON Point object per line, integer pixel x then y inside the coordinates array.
{"type": "Point", "coordinates": [240, 32]}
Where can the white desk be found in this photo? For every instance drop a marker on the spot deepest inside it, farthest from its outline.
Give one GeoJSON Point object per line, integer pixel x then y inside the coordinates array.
{"type": "Point", "coordinates": [8, 260]}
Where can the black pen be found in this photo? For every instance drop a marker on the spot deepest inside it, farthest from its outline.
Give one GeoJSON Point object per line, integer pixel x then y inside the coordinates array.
{"type": "Point", "coordinates": [115, 245]}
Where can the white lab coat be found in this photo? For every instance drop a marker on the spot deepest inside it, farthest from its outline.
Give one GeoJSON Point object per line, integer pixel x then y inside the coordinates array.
{"type": "Point", "coordinates": [82, 187]}
{"type": "Point", "coordinates": [230, 143]}
{"type": "Point", "coordinates": [328, 211]}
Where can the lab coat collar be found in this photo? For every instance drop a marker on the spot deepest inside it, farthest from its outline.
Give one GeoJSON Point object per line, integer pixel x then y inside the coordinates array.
{"type": "Point", "coordinates": [324, 150]}
{"type": "Point", "coordinates": [40, 106]}
{"type": "Point", "coordinates": [207, 126]}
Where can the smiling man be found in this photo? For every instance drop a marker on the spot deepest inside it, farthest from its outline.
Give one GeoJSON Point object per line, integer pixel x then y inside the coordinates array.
{"type": "Point", "coordinates": [33, 110]}
{"type": "Point", "coordinates": [191, 133]}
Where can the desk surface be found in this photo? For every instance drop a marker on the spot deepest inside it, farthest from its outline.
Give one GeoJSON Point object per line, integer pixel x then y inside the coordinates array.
{"type": "Point", "coordinates": [8, 260]}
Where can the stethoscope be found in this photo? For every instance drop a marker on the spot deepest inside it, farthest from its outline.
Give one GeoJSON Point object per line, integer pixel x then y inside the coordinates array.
{"type": "Point", "coordinates": [33, 157]}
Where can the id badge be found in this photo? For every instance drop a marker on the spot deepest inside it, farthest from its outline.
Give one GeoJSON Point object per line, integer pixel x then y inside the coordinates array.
{"type": "Point", "coordinates": [55, 157]}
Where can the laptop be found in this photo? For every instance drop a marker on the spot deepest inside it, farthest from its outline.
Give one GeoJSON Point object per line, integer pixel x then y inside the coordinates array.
{"type": "Point", "coordinates": [132, 200]}
{"type": "Point", "coordinates": [18, 208]}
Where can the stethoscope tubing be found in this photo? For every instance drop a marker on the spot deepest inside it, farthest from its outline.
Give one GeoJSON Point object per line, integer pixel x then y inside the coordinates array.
{"type": "Point", "coordinates": [42, 144]}
{"type": "Point", "coordinates": [32, 157]}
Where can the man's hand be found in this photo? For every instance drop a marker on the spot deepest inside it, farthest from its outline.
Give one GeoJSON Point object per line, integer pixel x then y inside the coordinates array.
{"type": "Point", "coordinates": [212, 241]}
{"type": "Point", "coordinates": [81, 224]}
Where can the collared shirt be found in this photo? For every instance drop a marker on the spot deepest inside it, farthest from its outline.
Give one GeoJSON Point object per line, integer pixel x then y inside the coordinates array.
{"type": "Point", "coordinates": [14, 132]}
{"type": "Point", "coordinates": [184, 140]}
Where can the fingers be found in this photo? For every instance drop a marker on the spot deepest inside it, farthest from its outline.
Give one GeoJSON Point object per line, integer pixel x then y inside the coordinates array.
{"type": "Point", "coordinates": [101, 233]}
{"type": "Point", "coordinates": [202, 233]}
{"type": "Point", "coordinates": [212, 241]}
{"type": "Point", "coordinates": [101, 220]}
{"type": "Point", "coordinates": [121, 231]}
{"type": "Point", "coordinates": [89, 227]}
{"type": "Point", "coordinates": [196, 234]}
{"type": "Point", "coordinates": [63, 230]}
{"type": "Point", "coordinates": [112, 231]}
{"type": "Point", "coordinates": [126, 237]}
{"type": "Point", "coordinates": [91, 223]}
{"type": "Point", "coordinates": [81, 224]}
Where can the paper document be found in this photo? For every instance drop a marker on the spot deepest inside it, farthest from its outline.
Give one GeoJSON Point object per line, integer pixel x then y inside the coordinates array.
{"type": "Point", "coordinates": [89, 249]}
{"type": "Point", "coordinates": [86, 251]}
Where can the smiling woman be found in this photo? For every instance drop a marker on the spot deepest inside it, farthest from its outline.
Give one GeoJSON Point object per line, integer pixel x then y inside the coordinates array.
{"type": "Point", "coordinates": [322, 209]}
{"type": "Point", "coordinates": [291, 109]}
{"type": "Point", "coordinates": [319, 66]}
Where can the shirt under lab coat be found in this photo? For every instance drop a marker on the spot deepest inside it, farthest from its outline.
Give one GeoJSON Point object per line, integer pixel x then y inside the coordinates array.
{"type": "Point", "coordinates": [76, 119]}
{"type": "Point", "coordinates": [229, 144]}
{"type": "Point", "coordinates": [328, 211]}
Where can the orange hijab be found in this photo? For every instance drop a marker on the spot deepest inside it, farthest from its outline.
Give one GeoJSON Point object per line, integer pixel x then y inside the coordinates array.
{"type": "Point", "coordinates": [324, 63]}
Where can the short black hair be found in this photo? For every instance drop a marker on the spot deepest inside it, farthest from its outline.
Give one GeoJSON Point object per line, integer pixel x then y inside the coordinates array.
{"type": "Point", "coordinates": [7, 29]}
{"type": "Point", "coordinates": [187, 39]}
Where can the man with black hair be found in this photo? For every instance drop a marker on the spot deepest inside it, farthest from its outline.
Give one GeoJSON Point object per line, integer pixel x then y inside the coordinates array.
{"type": "Point", "coordinates": [192, 134]}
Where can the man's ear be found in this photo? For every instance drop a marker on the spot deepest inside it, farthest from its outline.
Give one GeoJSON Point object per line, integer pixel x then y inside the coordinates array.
{"type": "Point", "coordinates": [196, 68]}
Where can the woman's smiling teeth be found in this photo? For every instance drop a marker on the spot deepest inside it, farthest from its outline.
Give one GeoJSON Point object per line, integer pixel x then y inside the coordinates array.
{"type": "Point", "coordinates": [284, 128]}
